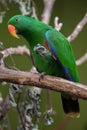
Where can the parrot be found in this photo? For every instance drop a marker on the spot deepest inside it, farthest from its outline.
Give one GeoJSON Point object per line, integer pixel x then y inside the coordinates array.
{"type": "Point", "coordinates": [51, 53]}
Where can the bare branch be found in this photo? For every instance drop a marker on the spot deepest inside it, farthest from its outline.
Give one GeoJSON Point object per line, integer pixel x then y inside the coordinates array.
{"type": "Point", "coordinates": [18, 50]}
{"type": "Point", "coordinates": [82, 59]}
{"type": "Point", "coordinates": [48, 5]}
{"type": "Point", "coordinates": [5, 107]}
{"type": "Point", "coordinates": [78, 28]}
{"type": "Point", "coordinates": [58, 25]}
{"type": "Point", "coordinates": [49, 82]}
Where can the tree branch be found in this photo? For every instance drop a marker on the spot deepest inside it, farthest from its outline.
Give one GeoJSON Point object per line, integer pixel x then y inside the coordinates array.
{"type": "Point", "coordinates": [49, 82]}
{"type": "Point", "coordinates": [20, 50]}
{"type": "Point", "coordinates": [5, 107]}
{"type": "Point", "coordinates": [81, 60]}
{"type": "Point", "coordinates": [58, 25]}
{"type": "Point", "coordinates": [78, 28]}
{"type": "Point", "coordinates": [48, 5]}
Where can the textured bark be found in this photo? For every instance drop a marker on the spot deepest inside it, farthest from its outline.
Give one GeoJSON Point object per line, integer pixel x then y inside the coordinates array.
{"type": "Point", "coordinates": [48, 82]}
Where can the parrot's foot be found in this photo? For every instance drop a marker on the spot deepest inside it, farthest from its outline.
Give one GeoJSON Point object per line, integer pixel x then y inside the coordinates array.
{"type": "Point", "coordinates": [41, 76]}
{"type": "Point", "coordinates": [40, 50]}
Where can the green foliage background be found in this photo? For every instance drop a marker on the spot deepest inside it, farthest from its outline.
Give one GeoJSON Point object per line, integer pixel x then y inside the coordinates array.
{"type": "Point", "coordinates": [70, 13]}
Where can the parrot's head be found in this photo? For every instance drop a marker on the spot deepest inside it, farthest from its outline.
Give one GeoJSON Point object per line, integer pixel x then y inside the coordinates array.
{"type": "Point", "coordinates": [18, 25]}
{"type": "Point", "coordinates": [30, 28]}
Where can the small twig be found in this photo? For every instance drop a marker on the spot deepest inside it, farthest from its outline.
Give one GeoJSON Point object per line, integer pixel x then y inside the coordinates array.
{"type": "Point", "coordinates": [58, 25]}
{"type": "Point", "coordinates": [82, 59]}
{"type": "Point", "coordinates": [19, 112]}
{"type": "Point", "coordinates": [6, 105]}
{"type": "Point", "coordinates": [78, 28]}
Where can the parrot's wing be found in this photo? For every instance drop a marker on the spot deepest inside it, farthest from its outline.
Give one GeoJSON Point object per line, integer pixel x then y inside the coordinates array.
{"type": "Point", "coordinates": [62, 53]}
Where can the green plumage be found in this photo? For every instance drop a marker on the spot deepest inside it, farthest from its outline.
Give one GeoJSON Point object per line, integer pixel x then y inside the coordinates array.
{"type": "Point", "coordinates": [51, 53]}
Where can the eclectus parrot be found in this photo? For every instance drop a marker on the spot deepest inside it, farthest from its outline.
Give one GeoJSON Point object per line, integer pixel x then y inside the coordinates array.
{"type": "Point", "coordinates": [51, 53]}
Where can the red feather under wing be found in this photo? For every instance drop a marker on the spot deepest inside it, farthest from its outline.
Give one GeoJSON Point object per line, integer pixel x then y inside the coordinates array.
{"type": "Point", "coordinates": [48, 48]}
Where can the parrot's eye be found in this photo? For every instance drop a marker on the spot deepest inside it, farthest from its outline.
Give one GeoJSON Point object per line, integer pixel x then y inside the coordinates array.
{"type": "Point", "coordinates": [17, 19]}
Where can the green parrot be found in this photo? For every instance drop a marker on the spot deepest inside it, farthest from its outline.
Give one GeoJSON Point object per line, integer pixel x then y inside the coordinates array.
{"type": "Point", "coordinates": [51, 54]}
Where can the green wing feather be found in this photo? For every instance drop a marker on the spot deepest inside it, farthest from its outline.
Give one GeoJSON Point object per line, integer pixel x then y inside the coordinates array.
{"type": "Point", "coordinates": [63, 50]}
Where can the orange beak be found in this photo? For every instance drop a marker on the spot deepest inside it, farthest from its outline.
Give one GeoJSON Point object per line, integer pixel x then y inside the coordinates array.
{"type": "Point", "coordinates": [12, 31]}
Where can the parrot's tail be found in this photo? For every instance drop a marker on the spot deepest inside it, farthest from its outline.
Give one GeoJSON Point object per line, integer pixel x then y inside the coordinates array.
{"type": "Point", "coordinates": [70, 106]}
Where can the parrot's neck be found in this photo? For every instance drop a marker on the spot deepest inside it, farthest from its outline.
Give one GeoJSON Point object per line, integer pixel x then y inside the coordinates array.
{"type": "Point", "coordinates": [35, 38]}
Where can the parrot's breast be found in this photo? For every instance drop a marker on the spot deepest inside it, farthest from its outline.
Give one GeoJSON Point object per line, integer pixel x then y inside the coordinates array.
{"type": "Point", "coordinates": [46, 64]}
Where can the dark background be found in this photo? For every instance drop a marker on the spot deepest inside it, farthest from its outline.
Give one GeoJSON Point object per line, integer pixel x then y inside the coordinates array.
{"type": "Point", "coordinates": [70, 13]}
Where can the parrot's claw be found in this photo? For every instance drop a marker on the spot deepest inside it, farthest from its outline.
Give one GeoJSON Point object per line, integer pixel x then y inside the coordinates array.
{"type": "Point", "coordinates": [40, 50]}
{"type": "Point", "coordinates": [41, 76]}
